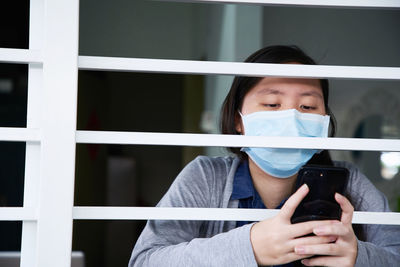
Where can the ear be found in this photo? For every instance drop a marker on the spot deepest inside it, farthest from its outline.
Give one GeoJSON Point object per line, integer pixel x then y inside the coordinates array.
{"type": "Point", "coordinates": [238, 123]}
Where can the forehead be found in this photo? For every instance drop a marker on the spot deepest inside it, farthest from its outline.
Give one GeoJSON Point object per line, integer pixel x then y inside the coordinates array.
{"type": "Point", "coordinates": [272, 85]}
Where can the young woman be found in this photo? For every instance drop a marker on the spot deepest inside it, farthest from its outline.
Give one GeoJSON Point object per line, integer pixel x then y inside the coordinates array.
{"type": "Point", "coordinates": [265, 178]}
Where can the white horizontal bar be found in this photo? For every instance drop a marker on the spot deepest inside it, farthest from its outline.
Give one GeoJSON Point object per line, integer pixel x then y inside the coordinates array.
{"type": "Point", "coordinates": [236, 68]}
{"type": "Point", "coordinates": [145, 213]}
{"type": "Point", "coordinates": [17, 214]}
{"type": "Point", "coordinates": [11, 55]}
{"type": "Point", "coordinates": [17, 254]}
{"type": "Point", "coordinates": [224, 140]}
{"type": "Point", "coordinates": [19, 134]}
{"type": "Point", "coordinates": [209, 214]}
{"type": "Point", "coordinates": [142, 213]}
{"type": "Point", "coordinates": [10, 254]}
{"type": "Point", "coordinates": [362, 217]}
{"type": "Point", "coordinates": [316, 3]}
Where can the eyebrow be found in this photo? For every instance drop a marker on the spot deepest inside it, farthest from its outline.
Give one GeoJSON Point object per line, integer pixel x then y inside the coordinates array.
{"type": "Point", "coordinates": [269, 91]}
{"type": "Point", "coordinates": [312, 93]}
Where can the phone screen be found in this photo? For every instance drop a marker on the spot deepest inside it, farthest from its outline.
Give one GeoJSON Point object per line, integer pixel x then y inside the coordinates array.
{"type": "Point", "coordinates": [320, 203]}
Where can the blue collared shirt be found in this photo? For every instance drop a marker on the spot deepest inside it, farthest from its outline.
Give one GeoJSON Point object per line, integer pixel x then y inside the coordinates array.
{"type": "Point", "coordinates": [244, 191]}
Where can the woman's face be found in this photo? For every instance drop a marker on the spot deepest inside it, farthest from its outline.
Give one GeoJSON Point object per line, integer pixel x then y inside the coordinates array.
{"type": "Point", "coordinates": [273, 94]}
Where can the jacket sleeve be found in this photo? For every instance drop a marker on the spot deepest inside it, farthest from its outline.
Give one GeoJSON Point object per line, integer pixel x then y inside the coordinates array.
{"type": "Point", "coordinates": [184, 243]}
{"type": "Point", "coordinates": [380, 244]}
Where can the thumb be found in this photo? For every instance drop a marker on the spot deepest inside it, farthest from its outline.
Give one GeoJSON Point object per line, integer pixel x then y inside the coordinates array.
{"type": "Point", "coordinates": [291, 204]}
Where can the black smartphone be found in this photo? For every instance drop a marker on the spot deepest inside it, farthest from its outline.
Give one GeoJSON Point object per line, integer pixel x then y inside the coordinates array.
{"type": "Point", "coordinates": [320, 203]}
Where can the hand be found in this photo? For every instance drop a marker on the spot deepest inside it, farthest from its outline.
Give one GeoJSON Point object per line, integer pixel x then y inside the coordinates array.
{"type": "Point", "coordinates": [275, 239]}
{"type": "Point", "coordinates": [343, 252]}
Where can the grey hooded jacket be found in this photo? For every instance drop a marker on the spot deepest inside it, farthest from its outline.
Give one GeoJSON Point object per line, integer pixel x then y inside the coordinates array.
{"type": "Point", "coordinates": [207, 183]}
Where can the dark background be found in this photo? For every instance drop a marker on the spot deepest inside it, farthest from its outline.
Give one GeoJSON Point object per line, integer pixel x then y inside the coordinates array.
{"type": "Point", "coordinates": [14, 18]}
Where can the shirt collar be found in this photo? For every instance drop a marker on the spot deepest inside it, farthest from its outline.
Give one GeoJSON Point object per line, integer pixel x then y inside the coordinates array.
{"type": "Point", "coordinates": [243, 186]}
{"type": "Point", "coordinates": [242, 183]}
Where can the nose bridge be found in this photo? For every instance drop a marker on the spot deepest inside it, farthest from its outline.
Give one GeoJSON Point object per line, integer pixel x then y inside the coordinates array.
{"type": "Point", "coordinates": [292, 103]}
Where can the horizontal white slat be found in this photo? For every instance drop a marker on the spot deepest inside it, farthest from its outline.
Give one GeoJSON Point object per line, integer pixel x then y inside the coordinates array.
{"type": "Point", "coordinates": [17, 214]}
{"type": "Point", "coordinates": [11, 55]}
{"type": "Point", "coordinates": [208, 214]}
{"type": "Point", "coordinates": [316, 3]}
{"type": "Point", "coordinates": [10, 254]}
{"type": "Point", "coordinates": [145, 213]}
{"type": "Point", "coordinates": [236, 68]}
{"type": "Point", "coordinates": [17, 254]}
{"type": "Point", "coordinates": [219, 140]}
{"type": "Point", "coordinates": [19, 134]}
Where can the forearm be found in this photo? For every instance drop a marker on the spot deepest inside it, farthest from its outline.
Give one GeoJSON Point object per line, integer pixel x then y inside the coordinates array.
{"type": "Point", "coordinates": [370, 254]}
{"type": "Point", "coordinates": [232, 248]}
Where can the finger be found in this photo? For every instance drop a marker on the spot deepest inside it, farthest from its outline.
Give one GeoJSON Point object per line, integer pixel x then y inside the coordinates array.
{"type": "Point", "coordinates": [320, 249]}
{"type": "Point", "coordinates": [338, 229]}
{"type": "Point", "coordinates": [322, 261]}
{"type": "Point", "coordinates": [292, 256]}
{"type": "Point", "coordinates": [312, 240]}
{"type": "Point", "coordinates": [347, 208]}
{"type": "Point", "coordinates": [291, 204]}
{"type": "Point", "coordinates": [305, 228]}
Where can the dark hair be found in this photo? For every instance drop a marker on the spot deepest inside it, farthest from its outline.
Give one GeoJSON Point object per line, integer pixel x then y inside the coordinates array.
{"type": "Point", "coordinates": [241, 86]}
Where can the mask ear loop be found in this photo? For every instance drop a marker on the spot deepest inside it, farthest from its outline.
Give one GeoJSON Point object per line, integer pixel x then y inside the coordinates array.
{"type": "Point", "coordinates": [241, 117]}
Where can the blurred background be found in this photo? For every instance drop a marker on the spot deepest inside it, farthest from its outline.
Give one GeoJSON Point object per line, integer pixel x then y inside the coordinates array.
{"type": "Point", "coordinates": [112, 175]}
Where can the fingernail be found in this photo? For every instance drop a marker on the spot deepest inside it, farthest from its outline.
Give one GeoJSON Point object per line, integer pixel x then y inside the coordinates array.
{"type": "Point", "coordinates": [304, 187]}
{"type": "Point", "coordinates": [332, 239]}
{"type": "Point", "coordinates": [304, 262]}
{"type": "Point", "coordinates": [299, 250]}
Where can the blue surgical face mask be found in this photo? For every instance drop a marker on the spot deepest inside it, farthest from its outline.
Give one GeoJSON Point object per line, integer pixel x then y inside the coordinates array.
{"type": "Point", "coordinates": [283, 162]}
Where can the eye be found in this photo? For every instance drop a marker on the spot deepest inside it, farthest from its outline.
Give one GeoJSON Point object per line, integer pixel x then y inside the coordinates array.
{"type": "Point", "coordinates": [272, 105]}
{"type": "Point", "coordinates": [304, 107]}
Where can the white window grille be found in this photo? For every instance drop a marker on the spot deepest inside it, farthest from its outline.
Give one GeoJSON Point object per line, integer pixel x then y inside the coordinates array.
{"type": "Point", "coordinates": [51, 135]}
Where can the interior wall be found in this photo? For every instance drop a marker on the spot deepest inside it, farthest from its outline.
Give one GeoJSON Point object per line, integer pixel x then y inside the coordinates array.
{"type": "Point", "coordinates": [148, 103]}
{"type": "Point", "coordinates": [138, 28]}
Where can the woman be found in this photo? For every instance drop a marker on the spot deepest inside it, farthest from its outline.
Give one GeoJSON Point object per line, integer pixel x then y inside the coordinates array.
{"type": "Point", "coordinates": [265, 178]}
